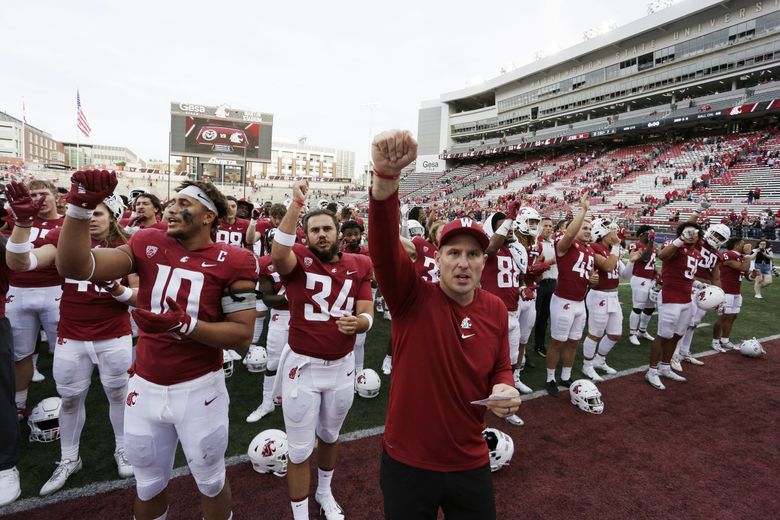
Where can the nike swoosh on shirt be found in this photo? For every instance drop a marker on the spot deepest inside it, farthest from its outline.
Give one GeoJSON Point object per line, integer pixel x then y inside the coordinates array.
{"type": "Point", "coordinates": [204, 264]}
{"type": "Point", "coordinates": [351, 272]}
{"type": "Point", "coordinates": [350, 372]}
{"type": "Point", "coordinates": [463, 336]}
{"type": "Point", "coordinates": [206, 403]}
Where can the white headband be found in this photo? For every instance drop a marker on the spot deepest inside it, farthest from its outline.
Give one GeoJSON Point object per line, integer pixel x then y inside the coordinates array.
{"type": "Point", "coordinates": [200, 196]}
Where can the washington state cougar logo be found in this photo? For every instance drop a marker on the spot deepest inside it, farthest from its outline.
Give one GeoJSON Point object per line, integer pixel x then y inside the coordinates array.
{"type": "Point", "coordinates": [361, 379]}
{"type": "Point", "coordinates": [293, 372]}
{"type": "Point", "coordinates": [566, 306]}
{"type": "Point", "coordinates": [131, 398]}
{"type": "Point", "coordinates": [602, 303]}
{"type": "Point", "coordinates": [269, 448]}
{"type": "Point", "coordinates": [151, 251]}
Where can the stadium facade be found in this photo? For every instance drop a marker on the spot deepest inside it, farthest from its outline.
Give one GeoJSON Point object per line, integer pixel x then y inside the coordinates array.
{"type": "Point", "coordinates": [40, 146]}
{"type": "Point", "coordinates": [304, 160]}
{"type": "Point", "coordinates": [696, 61]}
{"type": "Point", "coordinates": [101, 156]}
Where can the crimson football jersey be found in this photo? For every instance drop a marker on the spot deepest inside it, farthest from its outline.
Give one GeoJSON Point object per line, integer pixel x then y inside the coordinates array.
{"type": "Point", "coordinates": [574, 270]}
{"type": "Point", "coordinates": [607, 280]}
{"type": "Point", "coordinates": [731, 279]}
{"type": "Point", "coordinates": [502, 277]}
{"type": "Point", "coordinates": [677, 274]}
{"type": "Point", "coordinates": [319, 294]}
{"type": "Point", "coordinates": [710, 257]}
{"type": "Point", "coordinates": [46, 276]}
{"type": "Point", "coordinates": [425, 265]}
{"type": "Point", "coordinates": [265, 232]}
{"type": "Point", "coordinates": [233, 234]}
{"type": "Point", "coordinates": [197, 280]}
{"type": "Point", "coordinates": [534, 252]}
{"type": "Point", "coordinates": [87, 312]}
{"type": "Point", "coordinates": [266, 268]}
{"type": "Point", "coordinates": [643, 269]}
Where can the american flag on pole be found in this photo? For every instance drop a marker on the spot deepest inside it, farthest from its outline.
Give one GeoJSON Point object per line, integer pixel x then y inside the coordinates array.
{"type": "Point", "coordinates": [81, 119]}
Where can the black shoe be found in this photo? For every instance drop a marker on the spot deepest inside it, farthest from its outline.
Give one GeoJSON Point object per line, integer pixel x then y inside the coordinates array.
{"type": "Point", "coordinates": [529, 363]}
{"type": "Point", "coordinates": [566, 382]}
{"type": "Point", "coordinates": [541, 351]}
{"type": "Point", "coordinates": [552, 388]}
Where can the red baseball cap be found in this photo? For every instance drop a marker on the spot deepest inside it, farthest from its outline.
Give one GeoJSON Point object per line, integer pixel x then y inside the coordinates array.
{"type": "Point", "coordinates": [465, 225]}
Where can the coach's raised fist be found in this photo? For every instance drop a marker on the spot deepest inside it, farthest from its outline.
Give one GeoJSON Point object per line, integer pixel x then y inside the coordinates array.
{"type": "Point", "coordinates": [585, 202]}
{"type": "Point", "coordinates": [393, 150]}
{"type": "Point", "coordinates": [300, 190]}
{"type": "Point", "coordinates": [88, 188]}
{"type": "Point", "coordinates": [23, 206]}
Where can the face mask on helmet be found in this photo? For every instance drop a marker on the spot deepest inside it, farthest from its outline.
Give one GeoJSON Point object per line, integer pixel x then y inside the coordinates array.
{"type": "Point", "coordinates": [256, 359]}
{"type": "Point", "coordinates": [527, 222]}
{"type": "Point", "coordinates": [586, 396]}
{"type": "Point", "coordinates": [500, 447]}
{"type": "Point", "coordinates": [268, 452]}
{"type": "Point", "coordinates": [367, 383]}
{"type": "Point", "coordinates": [44, 420]}
{"type": "Point", "coordinates": [717, 235]}
{"type": "Point", "coordinates": [415, 229]}
{"type": "Point", "coordinates": [227, 363]}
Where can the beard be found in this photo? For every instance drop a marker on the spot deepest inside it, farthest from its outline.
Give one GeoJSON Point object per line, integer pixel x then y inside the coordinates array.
{"type": "Point", "coordinates": [327, 255]}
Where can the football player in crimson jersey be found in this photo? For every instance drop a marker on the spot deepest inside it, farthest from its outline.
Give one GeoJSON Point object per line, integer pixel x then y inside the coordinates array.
{"type": "Point", "coordinates": [94, 328]}
{"type": "Point", "coordinates": [33, 298]}
{"type": "Point", "coordinates": [605, 318]}
{"type": "Point", "coordinates": [707, 272]}
{"type": "Point", "coordinates": [233, 230]}
{"type": "Point", "coordinates": [567, 306]}
{"type": "Point", "coordinates": [195, 298]}
{"type": "Point", "coordinates": [450, 344]}
{"type": "Point", "coordinates": [330, 302]}
{"type": "Point", "coordinates": [736, 265]}
{"type": "Point", "coordinates": [680, 258]}
{"type": "Point", "coordinates": [265, 229]}
{"type": "Point", "coordinates": [148, 210]}
{"type": "Point", "coordinates": [352, 238]}
{"type": "Point", "coordinates": [643, 275]}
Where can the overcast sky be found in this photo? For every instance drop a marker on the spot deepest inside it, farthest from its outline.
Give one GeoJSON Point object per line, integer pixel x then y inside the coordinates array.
{"type": "Point", "coordinates": [315, 65]}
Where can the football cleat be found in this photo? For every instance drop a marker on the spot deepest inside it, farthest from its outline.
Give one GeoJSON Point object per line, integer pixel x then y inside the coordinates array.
{"type": "Point", "coordinates": [654, 380]}
{"type": "Point", "coordinates": [65, 469]}
{"type": "Point", "coordinates": [37, 377]}
{"type": "Point", "coordinates": [646, 335]}
{"type": "Point", "coordinates": [124, 468]}
{"type": "Point", "coordinates": [521, 387]}
{"type": "Point", "coordinates": [566, 382]}
{"type": "Point", "coordinates": [10, 489]}
{"type": "Point", "coordinates": [633, 340]}
{"type": "Point", "coordinates": [541, 351]}
{"type": "Point", "coordinates": [329, 508]}
{"type": "Point", "coordinates": [261, 411]}
{"type": "Point", "coordinates": [671, 374]}
{"type": "Point", "coordinates": [675, 364]}
{"type": "Point", "coordinates": [601, 364]}
{"type": "Point", "coordinates": [515, 420]}
{"type": "Point", "coordinates": [717, 347]}
{"type": "Point", "coordinates": [693, 361]}
{"type": "Point", "coordinates": [552, 388]}
{"type": "Point", "coordinates": [590, 372]}
{"type": "Point", "coordinates": [387, 365]}
{"type": "Point", "coordinates": [728, 346]}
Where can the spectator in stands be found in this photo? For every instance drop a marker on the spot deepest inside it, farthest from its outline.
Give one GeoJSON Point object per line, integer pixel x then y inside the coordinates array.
{"type": "Point", "coordinates": [756, 195]}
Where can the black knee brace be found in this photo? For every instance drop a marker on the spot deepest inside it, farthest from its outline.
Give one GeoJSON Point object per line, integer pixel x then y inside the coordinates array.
{"type": "Point", "coordinates": [636, 311]}
{"type": "Point", "coordinates": [649, 312]}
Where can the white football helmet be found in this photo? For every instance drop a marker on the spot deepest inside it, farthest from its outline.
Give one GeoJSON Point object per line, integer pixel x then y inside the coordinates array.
{"type": "Point", "coordinates": [717, 235]}
{"type": "Point", "coordinates": [115, 206]}
{"type": "Point", "coordinates": [586, 396]}
{"type": "Point", "coordinates": [227, 363]}
{"type": "Point", "coordinates": [323, 203]}
{"type": "Point", "coordinates": [414, 228]}
{"type": "Point", "coordinates": [751, 348]}
{"type": "Point", "coordinates": [268, 452]}
{"type": "Point", "coordinates": [601, 227]}
{"type": "Point", "coordinates": [655, 290]}
{"type": "Point", "coordinates": [367, 383]}
{"type": "Point", "coordinates": [527, 222]}
{"type": "Point", "coordinates": [44, 420]}
{"type": "Point", "coordinates": [500, 446]}
{"type": "Point", "coordinates": [256, 359]}
{"type": "Point", "coordinates": [710, 297]}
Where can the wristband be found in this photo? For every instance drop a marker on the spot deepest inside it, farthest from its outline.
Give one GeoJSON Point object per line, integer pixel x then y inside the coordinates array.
{"type": "Point", "coordinates": [285, 239]}
{"type": "Point", "coordinates": [369, 318]}
{"type": "Point", "coordinates": [33, 261]}
{"type": "Point", "coordinates": [387, 177]}
{"type": "Point", "coordinates": [16, 247]}
{"type": "Point", "coordinates": [503, 229]}
{"type": "Point", "coordinates": [124, 295]}
{"type": "Point", "coordinates": [678, 242]}
{"type": "Point", "coordinates": [299, 202]}
{"type": "Point", "coordinates": [78, 213]}
{"type": "Point", "coordinates": [193, 323]}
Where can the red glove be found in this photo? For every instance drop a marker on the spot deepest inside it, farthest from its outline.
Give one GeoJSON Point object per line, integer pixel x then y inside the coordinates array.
{"type": "Point", "coordinates": [537, 268]}
{"type": "Point", "coordinates": [528, 293]}
{"type": "Point", "coordinates": [136, 221]}
{"type": "Point", "coordinates": [88, 188]}
{"type": "Point", "coordinates": [24, 208]}
{"type": "Point", "coordinates": [174, 320]}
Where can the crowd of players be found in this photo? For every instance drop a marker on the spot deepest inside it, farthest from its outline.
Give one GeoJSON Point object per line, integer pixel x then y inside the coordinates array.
{"type": "Point", "coordinates": [197, 275]}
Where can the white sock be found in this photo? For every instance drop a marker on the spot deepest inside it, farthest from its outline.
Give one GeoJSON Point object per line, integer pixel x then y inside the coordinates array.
{"type": "Point", "coordinates": [633, 322]}
{"type": "Point", "coordinates": [652, 371]}
{"type": "Point", "coordinates": [664, 367]}
{"type": "Point", "coordinates": [35, 361]}
{"type": "Point", "coordinates": [684, 346]}
{"type": "Point", "coordinates": [565, 373]}
{"type": "Point", "coordinates": [589, 347]}
{"type": "Point", "coordinates": [300, 509]}
{"type": "Point", "coordinates": [73, 414]}
{"type": "Point", "coordinates": [550, 374]}
{"type": "Point", "coordinates": [268, 387]}
{"type": "Point", "coordinates": [716, 342]}
{"type": "Point", "coordinates": [259, 323]}
{"type": "Point", "coordinates": [605, 347]}
{"type": "Point", "coordinates": [644, 320]}
{"type": "Point", "coordinates": [323, 481]}
{"type": "Point", "coordinates": [21, 398]}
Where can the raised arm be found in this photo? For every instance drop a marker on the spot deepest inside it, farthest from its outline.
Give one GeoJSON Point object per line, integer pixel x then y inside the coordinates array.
{"type": "Point", "coordinates": [688, 236]}
{"type": "Point", "coordinates": [282, 255]}
{"type": "Point", "coordinates": [573, 228]}
{"type": "Point", "coordinates": [20, 255]}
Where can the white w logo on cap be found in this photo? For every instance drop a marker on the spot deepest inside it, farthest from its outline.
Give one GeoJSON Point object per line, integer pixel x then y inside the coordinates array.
{"type": "Point", "coordinates": [466, 222]}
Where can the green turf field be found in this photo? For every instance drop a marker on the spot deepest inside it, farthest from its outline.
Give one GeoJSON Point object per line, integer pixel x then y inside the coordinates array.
{"type": "Point", "coordinates": [759, 318]}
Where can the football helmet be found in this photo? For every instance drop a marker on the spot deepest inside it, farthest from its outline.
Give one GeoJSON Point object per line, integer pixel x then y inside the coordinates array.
{"type": "Point", "coordinates": [585, 395]}
{"type": "Point", "coordinates": [751, 348]}
{"type": "Point", "coordinates": [268, 452]}
{"type": "Point", "coordinates": [500, 446]}
{"type": "Point", "coordinates": [717, 235]}
{"type": "Point", "coordinates": [44, 420]}
{"type": "Point", "coordinates": [367, 383]}
{"type": "Point", "coordinates": [415, 229]}
{"type": "Point", "coordinates": [323, 203]}
{"type": "Point", "coordinates": [227, 363]}
{"type": "Point", "coordinates": [655, 290]}
{"type": "Point", "coordinates": [602, 227]}
{"type": "Point", "coordinates": [256, 359]}
{"type": "Point", "coordinates": [527, 222]}
{"type": "Point", "coordinates": [115, 206]}
{"type": "Point", "coordinates": [710, 297]}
